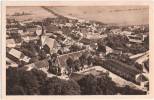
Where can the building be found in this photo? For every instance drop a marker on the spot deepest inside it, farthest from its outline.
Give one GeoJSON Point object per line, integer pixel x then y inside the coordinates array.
{"type": "Point", "coordinates": [20, 32]}
{"type": "Point", "coordinates": [135, 38]}
{"type": "Point", "coordinates": [31, 31]}
{"type": "Point", "coordinates": [138, 55]}
{"type": "Point", "coordinates": [11, 63]}
{"type": "Point", "coordinates": [16, 53]}
{"type": "Point", "coordinates": [108, 50]}
{"type": "Point", "coordinates": [143, 80]}
{"type": "Point", "coordinates": [140, 63]}
{"type": "Point", "coordinates": [10, 43]}
{"type": "Point", "coordinates": [141, 77]}
{"type": "Point", "coordinates": [62, 59]}
{"type": "Point", "coordinates": [121, 69]}
{"type": "Point", "coordinates": [50, 42]}
{"type": "Point", "coordinates": [29, 38]}
{"type": "Point", "coordinates": [116, 31]}
{"type": "Point", "coordinates": [17, 56]}
{"type": "Point", "coordinates": [38, 65]}
{"type": "Point", "coordinates": [126, 33]}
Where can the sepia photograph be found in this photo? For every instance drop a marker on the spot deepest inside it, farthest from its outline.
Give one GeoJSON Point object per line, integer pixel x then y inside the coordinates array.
{"type": "Point", "coordinates": [77, 50]}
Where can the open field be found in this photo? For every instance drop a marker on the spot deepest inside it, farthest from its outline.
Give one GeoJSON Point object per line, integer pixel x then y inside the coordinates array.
{"type": "Point", "coordinates": [36, 13]}
{"type": "Point", "coordinates": [122, 15]}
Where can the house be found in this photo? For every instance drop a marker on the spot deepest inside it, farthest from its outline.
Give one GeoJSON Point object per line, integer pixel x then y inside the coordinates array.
{"type": "Point", "coordinates": [142, 59]}
{"type": "Point", "coordinates": [20, 32]}
{"type": "Point", "coordinates": [116, 31]}
{"type": "Point", "coordinates": [31, 31]}
{"type": "Point", "coordinates": [68, 24]}
{"type": "Point", "coordinates": [135, 38]}
{"type": "Point", "coordinates": [11, 63]}
{"type": "Point", "coordinates": [145, 85]}
{"type": "Point", "coordinates": [51, 28]}
{"type": "Point", "coordinates": [10, 43]}
{"type": "Point", "coordinates": [62, 59]}
{"type": "Point", "coordinates": [14, 55]}
{"type": "Point", "coordinates": [17, 56]}
{"type": "Point", "coordinates": [108, 50]}
{"type": "Point", "coordinates": [141, 77]}
{"type": "Point", "coordinates": [29, 38]}
{"type": "Point", "coordinates": [38, 65]}
{"type": "Point", "coordinates": [126, 33]}
{"type": "Point", "coordinates": [51, 43]}
{"type": "Point", "coordinates": [123, 70]}
{"type": "Point", "coordinates": [138, 55]}
{"type": "Point", "coordinates": [143, 80]}
{"type": "Point", "coordinates": [42, 64]}
{"type": "Point", "coordinates": [140, 62]}
{"type": "Point", "coordinates": [26, 59]}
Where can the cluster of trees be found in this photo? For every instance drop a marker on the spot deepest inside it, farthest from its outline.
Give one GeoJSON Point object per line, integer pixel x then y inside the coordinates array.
{"type": "Point", "coordinates": [78, 64]}
{"type": "Point", "coordinates": [21, 82]}
{"type": "Point", "coordinates": [116, 41]}
{"type": "Point", "coordinates": [120, 41]}
{"type": "Point", "coordinates": [75, 48]}
{"type": "Point", "coordinates": [36, 82]}
{"type": "Point", "coordinates": [138, 48]}
{"type": "Point", "coordinates": [91, 85]}
{"type": "Point", "coordinates": [16, 36]}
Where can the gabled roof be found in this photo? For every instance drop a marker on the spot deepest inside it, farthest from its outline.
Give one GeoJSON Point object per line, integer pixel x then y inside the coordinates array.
{"type": "Point", "coordinates": [15, 53]}
{"type": "Point", "coordinates": [50, 42]}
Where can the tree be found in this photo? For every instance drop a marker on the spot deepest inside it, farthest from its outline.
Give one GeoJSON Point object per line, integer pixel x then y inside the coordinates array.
{"type": "Point", "coordinates": [90, 60]}
{"type": "Point", "coordinates": [88, 85]}
{"type": "Point", "coordinates": [53, 70]}
{"type": "Point", "coordinates": [29, 82]}
{"type": "Point", "coordinates": [70, 87]}
{"type": "Point", "coordinates": [46, 49]}
{"type": "Point", "coordinates": [52, 86]}
{"type": "Point", "coordinates": [116, 41]}
{"type": "Point", "coordinates": [77, 65]}
{"type": "Point", "coordinates": [101, 46]}
{"type": "Point", "coordinates": [69, 62]}
{"type": "Point", "coordinates": [105, 85]}
{"type": "Point", "coordinates": [19, 81]}
{"type": "Point", "coordinates": [56, 86]}
{"type": "Point", "coordinates": [83, 59]}
{"type": "Point", "coordinates": [74, 48]}
{"type": "Point", "coordinates": [92, 85]}
{"type": "Point", "coordinates": [127, 90]}
{"type": "Point", "coordinates": [12, 79]}
{"type": "Point", "coordinates": [40, 76]}
{"type": "Point", "coordinates": [16, 90]}
{"type": "Point", "coordinates": [137, 48]}
{"type": "Point", "coordinates": [146, 42]}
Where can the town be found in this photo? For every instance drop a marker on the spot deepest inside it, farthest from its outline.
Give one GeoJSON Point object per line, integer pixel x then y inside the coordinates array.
{"type": "Point", "coordinates": [71, 48]}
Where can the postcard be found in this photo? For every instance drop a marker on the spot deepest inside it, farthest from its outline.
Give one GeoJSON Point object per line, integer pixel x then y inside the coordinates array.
{"type": "Point", "coordinates": [74, 49]}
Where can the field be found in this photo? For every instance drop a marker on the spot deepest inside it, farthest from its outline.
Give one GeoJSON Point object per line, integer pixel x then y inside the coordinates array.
{"type": "Point", "coordinates": [121, 15]}
{"type": "Point", "coordinates": [37, 13]}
